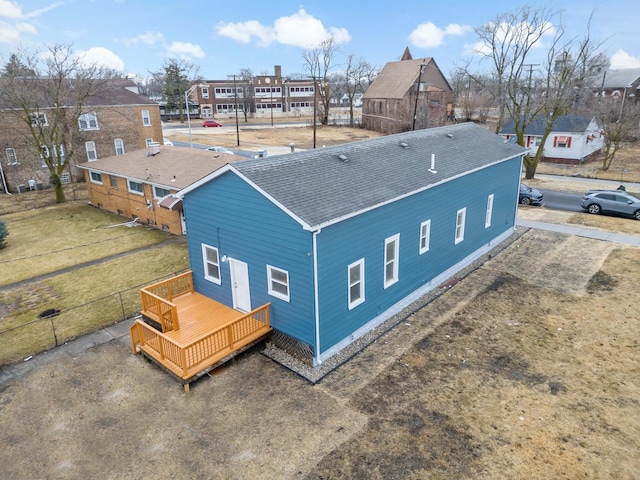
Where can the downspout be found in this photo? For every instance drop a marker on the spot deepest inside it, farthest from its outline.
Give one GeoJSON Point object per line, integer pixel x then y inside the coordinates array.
{"type": "Point", "coordinates": [4, 180]}
{"type": "Point", "coordinates": [316, 360]}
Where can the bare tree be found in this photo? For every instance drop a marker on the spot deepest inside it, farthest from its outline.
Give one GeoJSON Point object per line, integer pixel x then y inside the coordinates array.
{"type": "Point", "coordinates": [620, 128]}
{"type": "Point", "coordinates": [245, 78]}
{"type": "Point", "coordinates": [358, 74]}
{"type": "Point", "coordinates": [48, 102]}
{"type": "Point", "coordinates": [319, 61]}
{"type": "Point", "coordinates": [570, 68]}
{"type": "Point", "coordinates": [507, 43]}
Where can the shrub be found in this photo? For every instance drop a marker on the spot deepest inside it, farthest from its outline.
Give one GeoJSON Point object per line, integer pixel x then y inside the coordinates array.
{"type": "Point", "coordinates": [4, 233]}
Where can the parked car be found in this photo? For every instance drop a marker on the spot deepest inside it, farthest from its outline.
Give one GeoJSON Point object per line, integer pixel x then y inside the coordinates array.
{"type": "Point", "coordinates": [617, 202]}
{"type": "Point", "coordinates": [167, 142]}
{"type": "Point", "coordinates": [529, 196]}
{"type": "Point", "coordinates": [220, 149]}
{"type": "Point", "coordinates": [211, 123]}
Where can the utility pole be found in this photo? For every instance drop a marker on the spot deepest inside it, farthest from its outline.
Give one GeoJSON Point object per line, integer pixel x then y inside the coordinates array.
{"type": "Point", "coordinates": [235, 95]}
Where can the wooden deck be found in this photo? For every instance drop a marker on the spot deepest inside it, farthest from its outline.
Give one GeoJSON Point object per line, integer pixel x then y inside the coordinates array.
{"type": "Point", "coordinates": [197, 334]}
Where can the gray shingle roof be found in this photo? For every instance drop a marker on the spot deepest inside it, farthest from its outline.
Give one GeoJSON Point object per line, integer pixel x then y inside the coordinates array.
{"type": "Point", "coordinates": [563, 124]}
{"type": "Point", "coordinates": [621, 78]}
{"type": "Point", "coordinates": [320, 187]}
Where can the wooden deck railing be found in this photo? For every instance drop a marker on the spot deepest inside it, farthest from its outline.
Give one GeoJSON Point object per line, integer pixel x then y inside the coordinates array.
{"type": "Point", "coordinates": [187, 361]}
{"type": "Point", "coordinates": [157, 300]}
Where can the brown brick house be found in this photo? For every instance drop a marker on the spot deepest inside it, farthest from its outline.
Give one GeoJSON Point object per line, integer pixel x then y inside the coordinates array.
{"type": "Point", "coordinates": [390, 105]}
{"type": "Point", "coordinates": [141, 184]}
{"type": "Point", "coordinates": [116, 120]}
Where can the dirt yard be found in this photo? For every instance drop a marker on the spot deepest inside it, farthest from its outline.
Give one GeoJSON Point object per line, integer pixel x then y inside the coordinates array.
{"type": "Point", "coordinates": [526, 368]}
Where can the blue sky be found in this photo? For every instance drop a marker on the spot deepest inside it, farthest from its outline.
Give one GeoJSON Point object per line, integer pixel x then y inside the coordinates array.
{"type": "Point", "coordinates": [222, 37]}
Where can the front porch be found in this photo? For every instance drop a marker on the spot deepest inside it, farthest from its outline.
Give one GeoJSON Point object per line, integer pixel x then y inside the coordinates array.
{"type": "Point", "coordinates": [195, 333]}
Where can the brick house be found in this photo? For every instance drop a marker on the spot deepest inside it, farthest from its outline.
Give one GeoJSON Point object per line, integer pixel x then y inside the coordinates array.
{"type": "Point", "coordinates": [407, 95]}
{"type": "Point", "coordinates": [141, 184]}
{"type": "Point", "coordinates": [116, 120]}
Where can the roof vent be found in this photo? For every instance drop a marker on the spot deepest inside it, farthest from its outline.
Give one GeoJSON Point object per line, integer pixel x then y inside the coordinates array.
{"type": "Point", "coordinates": [433, 163]}
{"type": "Point", "coordinates": [404, 144]}
{"type": "Point", "coordinates": [153, 149]}
{"type": "Point", "coordinates": [343, 157]}
{"type": "Point", "coordinates": [450, 135]}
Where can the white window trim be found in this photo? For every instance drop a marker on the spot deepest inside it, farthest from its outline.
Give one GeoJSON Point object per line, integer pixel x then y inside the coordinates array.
{"type": "Point", "coordinates": [91, 173]}
{"type": "Point", "coordinates": [360, 265]}
{"type": "Point", "coordinates": [205, 92]}
{"type": "Point", "coordinates": [461, 216]}
{"type": "Point", "coordinates": [155, 192]}
{"type": "Point", "coordinates": [95, 152]}
{"type": "Point", "coordinates": [425, 236]}
{"type": "Point", "coordinates": [395, 239]}
{"type": "Point", "coordinates": [206, 261]}
{"type": "Point", "coordinates": [487, 218]}
{"type": "Point", "coordinates": [146, 118]}
{"type": "Point", "coordinates": [39, 119]}
{"type": "Point", "coordinates": [149, 141]}
{"type": "Point", "coordinates": [44, 153]}
{"type": "Point", "coordinates": [270, 279]}
{"type": "Point", "coordinates": [87, 118]}
{"type": "Point", "coordinates": [113, 182]}
{"type": "Point", "coordinates": [129, 182]}
{"type": "Point", "coordinates": [119, 141]}
{"type": "Point", "coordinates": [12, 156]}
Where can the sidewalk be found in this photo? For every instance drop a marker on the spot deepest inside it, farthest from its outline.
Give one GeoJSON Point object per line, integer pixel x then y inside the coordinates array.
{"type": "Point", "coordinates": [581, 231]}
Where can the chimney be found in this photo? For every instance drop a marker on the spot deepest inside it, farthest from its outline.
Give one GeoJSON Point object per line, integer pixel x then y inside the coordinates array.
{"type": "Point", "coordinates": [278, 70]}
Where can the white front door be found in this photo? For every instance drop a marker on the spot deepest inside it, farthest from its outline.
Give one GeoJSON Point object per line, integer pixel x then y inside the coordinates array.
{"type": "Point", "coordinates": [240, 285]}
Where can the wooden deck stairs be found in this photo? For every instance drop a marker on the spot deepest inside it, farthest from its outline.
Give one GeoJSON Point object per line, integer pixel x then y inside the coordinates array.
{"type": "Point", "coordinates": [189, 334]}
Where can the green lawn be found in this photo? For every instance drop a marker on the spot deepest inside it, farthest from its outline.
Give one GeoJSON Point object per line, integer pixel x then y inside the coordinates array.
{"type": "Point", "coordinates": [89, 297]}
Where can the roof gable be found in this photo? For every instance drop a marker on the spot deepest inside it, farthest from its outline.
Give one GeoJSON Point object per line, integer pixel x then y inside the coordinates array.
{"type": "Point", "coordinates": [397, 78]}
{"type": "Point", "coordinates": [322, 186]}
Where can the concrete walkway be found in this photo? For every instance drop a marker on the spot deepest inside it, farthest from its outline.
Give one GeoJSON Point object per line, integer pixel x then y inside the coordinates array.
{"type": "Point", "coordinates": [633, 240]}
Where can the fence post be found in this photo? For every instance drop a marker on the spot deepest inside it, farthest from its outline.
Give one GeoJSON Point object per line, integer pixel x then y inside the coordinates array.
{"type": "Point", "coordinates": [124, 315]}
{"type": "Point", "coordinates": [53, 330]}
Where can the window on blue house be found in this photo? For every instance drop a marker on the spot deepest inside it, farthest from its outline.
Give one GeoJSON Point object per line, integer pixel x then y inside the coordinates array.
{"type": "Point", "coordinates": [211, 261]}
{"type": "Point", "coordinates": [356, 283]}
{"type": "Point", "coordinates": [278, 281]}
{"type": "Point", "coordinates": [391, 252]}
{"type": "Point", "coordinates": [460, 219]}
{"type": "Point", "coordinates": [487, 218]}
{"type": "Point", "coordinates": [425, 236]}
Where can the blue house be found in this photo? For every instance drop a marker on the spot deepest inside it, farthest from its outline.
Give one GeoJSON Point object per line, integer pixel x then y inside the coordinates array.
{"type": "Point", "coordinates": [339, 239]}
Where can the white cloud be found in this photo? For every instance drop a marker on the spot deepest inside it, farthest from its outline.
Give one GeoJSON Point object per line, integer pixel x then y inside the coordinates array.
{"type": "Point", "coordinates": [298, 30]}
{"type": "Point", "coordinates": [10, 9]}
{"type": "Point", "coordinates": [429, 35]}
{"type": "Point", "coordinates": [12, 33]}
{"type": "Point", "coordinates": [101, 56]}
{"type": "Point", "coordinates": [146, 38]}
{"type": "Point", "coordinates": [243, 32]}
{"type": "Point", "coordinates": [185, 50]}
{"type": "Point", "coordinates": [622, 59]}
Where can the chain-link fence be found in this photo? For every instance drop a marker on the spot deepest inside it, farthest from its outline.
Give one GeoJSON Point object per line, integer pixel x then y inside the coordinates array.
{"type": "Point", "coordinates": [52, 327]}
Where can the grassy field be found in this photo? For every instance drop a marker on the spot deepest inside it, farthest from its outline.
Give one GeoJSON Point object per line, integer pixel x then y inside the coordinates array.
{"type": "Point", "coordinates": [84, 262]}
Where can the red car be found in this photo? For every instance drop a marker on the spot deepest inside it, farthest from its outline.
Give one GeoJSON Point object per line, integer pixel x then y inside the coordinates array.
{"type": "Point", "coordinates": [211, 123]}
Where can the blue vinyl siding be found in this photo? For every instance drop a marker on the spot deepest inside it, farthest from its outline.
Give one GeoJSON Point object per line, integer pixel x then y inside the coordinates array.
{"type": "Point", "coordinates": [229, 214]}
{"type": "Point", "coordinates": [363, 237]}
